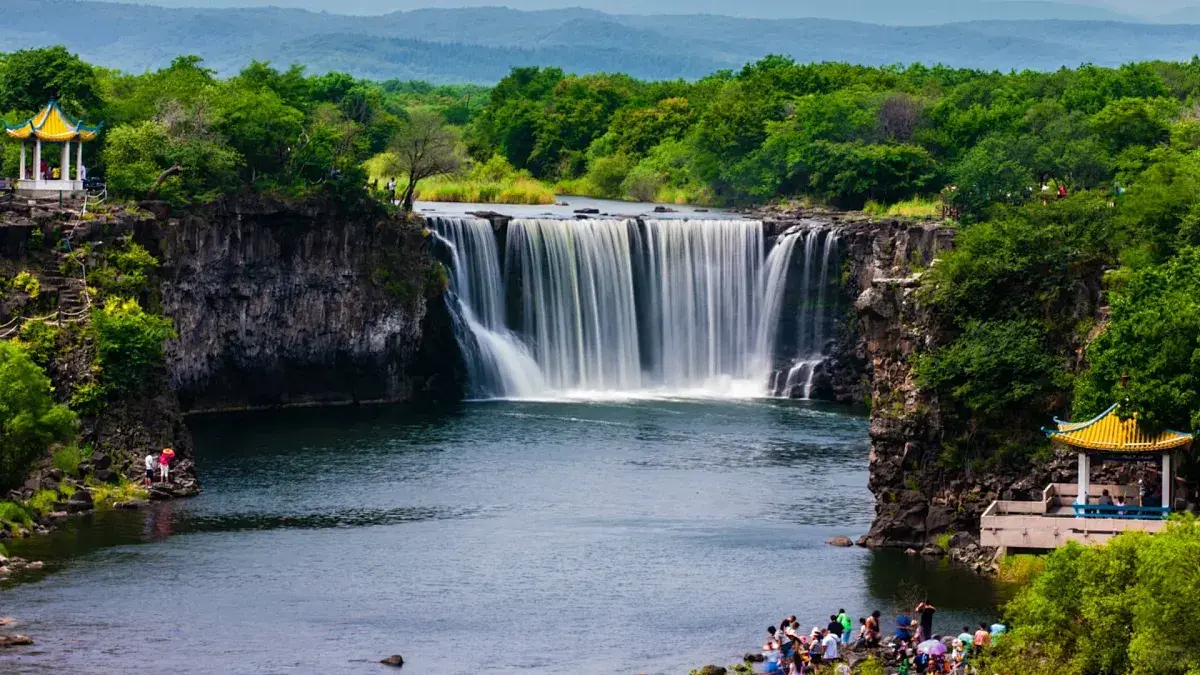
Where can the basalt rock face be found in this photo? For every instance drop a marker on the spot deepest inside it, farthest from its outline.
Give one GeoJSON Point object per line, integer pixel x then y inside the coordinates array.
{"type": "Point", "coordinates": [297, 304]}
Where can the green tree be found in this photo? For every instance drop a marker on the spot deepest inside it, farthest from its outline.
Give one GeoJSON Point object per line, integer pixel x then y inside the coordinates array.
{"type": "Point", "coordinates": [129, 345]}
{"type": "Point", "coordinates": [30, 77]}
{"type": "Point", "coordinates": [30, 420]}
{"type": "Point", "coordinates": [424, 147]}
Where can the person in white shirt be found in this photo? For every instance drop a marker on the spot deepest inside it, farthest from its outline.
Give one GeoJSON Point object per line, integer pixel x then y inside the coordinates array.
{"type": "Point", "coordinates": [151, 463]}
{"type": "Point", "coordinates": [830, 643]}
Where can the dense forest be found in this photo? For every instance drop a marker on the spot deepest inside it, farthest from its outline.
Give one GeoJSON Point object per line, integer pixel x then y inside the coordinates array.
{"type": "Point", "coordinates": [480, 44]}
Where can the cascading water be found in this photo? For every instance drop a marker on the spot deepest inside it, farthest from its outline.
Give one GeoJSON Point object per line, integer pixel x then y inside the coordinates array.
{"type": "Point", "coordinates": [627, 307]}
{"type": "Point", "coordinates": [498, 364]}
{"type": "Point", "coordinates": [812, 336]}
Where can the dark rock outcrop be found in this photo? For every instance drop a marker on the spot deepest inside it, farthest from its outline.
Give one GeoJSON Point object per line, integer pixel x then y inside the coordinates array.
{"type": "Point", "coordinates": [394, 660]}
{"type": "Point", "coordinates": [316, 303]}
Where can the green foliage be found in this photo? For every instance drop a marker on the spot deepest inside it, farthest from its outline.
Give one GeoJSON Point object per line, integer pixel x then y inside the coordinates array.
{"type": "Point", "coordinates": [126, 271]}
{"type": "Point", "coordinates": [942, 541]}
{"type": "Point", "coordinates": [994, 366]}
{"type": "Point", "coordinates": [39, 339]}
{"type": "Point", "coordinates": [169, 161]}
{"type": "Point", "coordinates": [1021, 568]}
{"type": "Point", "coordinates": [89, 398]}
{"type": "Point", "coordinates": [31, 77]}
{"type": "Point", "coordinates": [30, 420]}
{"type": "Point", "coordinates": [14, 515]}
{"type": "Point", "coordinates": [129, 344]}
{"type": "Point", "coordinates": [1102, 609]}
{"type": "Point", "coordinates": [67, 458]}
{"type": "Point", "coordinates": [43, 501]}
{"type": "Point", "coordinates": [1153, 337]}
{"type": "Point", "coordinates": [27, 283]}
{"type": "Point", "coordinates": [104, 495]}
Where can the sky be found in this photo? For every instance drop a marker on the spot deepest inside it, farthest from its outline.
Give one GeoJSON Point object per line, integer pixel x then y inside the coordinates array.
{"type": "Point", "coordinates": [746, 8]}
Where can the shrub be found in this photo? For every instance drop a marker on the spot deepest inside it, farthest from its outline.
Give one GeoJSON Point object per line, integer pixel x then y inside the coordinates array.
{"type": "Point", "coordinates": [43, 501]}
{"type": "Point", "coordinates": [1022, 568]}
{"type": "Point", "coordinates": [14, 515]}
{"type": "Point", "coordinates": [67, 459]}
{"type": "Point", "coordinates": [89, 399]}
{"type": "Point", "coordinates": [105, 495]}
{"type": "Point", "coordinates": [942, 541]}
{"type": "Point", "coordinates": [28, 283]}
{"type": "Point", "coordinates": [39, 339]}
{"type": "Point", "coordinates": [126, 272]}
{"type": "Point", "coordinates": [30, 420]}
{"type": "Point", "coordinates": [608, 173]}
{"type": "Point", "coordinates": [129, 344]}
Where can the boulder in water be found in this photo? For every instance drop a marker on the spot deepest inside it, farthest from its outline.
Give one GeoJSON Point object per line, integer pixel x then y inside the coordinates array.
{"type": "Point", "coordinates": [594, 212]}
{"type": "Point", "coordinates": [394, 660]}
{"type": "Point", "coordinates": [844, 542]}
{"type": "Point", "coordinates": [712, 670]}
{"type": "Point", "coordinates": [15, 640]}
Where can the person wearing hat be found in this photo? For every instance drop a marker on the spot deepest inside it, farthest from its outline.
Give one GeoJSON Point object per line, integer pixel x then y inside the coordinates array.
{"type": "Point", "coordinates": [164, 463]}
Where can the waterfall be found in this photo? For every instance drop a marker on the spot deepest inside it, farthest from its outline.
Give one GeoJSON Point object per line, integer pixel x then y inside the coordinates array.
{"type": "Point", "coordinates": [627, 307]}
{"type": "Point", "coordinates": [812, 335]}
{"type": "Point", "coordinates": [579, 313]}
{"type": "Point", "coordinates": [703, 301]}
{"type": "Point", "coordinates": [498, 364]}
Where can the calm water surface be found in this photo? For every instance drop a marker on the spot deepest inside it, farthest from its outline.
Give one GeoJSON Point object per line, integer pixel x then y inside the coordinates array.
{"type": "Point", "coordinates": [648, 536]}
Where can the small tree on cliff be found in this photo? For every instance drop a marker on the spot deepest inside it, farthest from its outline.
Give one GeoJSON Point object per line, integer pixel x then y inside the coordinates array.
{"type": "Point", "coordinates": [424, 147]}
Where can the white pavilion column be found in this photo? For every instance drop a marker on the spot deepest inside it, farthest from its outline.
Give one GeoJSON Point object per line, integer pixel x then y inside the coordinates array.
{"type": "Point", "coordinates": [1166, 480]}
{"type": "Point", "coordinates": [1085, 470]}
{"type": "Point", "coordinates": [79, 162]}
{"type": "Point", "coordinates": [64, 165]}
{"type": "Point", "coordinates": [37, 158]}
{"type": "Point", "coordinates": [21, 175]}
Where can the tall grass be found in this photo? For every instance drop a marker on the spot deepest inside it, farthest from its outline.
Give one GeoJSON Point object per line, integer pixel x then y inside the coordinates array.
{"type": "Point", "coordinates": [105, 495]}
{"type": "Point", "coordinates": [911, 208]}
{"type": "Point", "coordinates": [509, 191]}
{"type": "Point", "coordinates": [67, 459]}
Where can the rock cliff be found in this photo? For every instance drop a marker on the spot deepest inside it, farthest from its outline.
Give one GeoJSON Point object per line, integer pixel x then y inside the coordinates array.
{"type": "Point", "coordinates": [296, 304]}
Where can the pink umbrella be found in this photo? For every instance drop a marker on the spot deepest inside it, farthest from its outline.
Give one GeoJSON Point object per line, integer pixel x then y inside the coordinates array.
{"type": "Point", "coordinates": [932, 647]}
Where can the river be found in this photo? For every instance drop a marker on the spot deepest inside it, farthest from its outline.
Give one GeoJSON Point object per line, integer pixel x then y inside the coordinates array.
{"type": "Point", "coordinates": [649, 535]}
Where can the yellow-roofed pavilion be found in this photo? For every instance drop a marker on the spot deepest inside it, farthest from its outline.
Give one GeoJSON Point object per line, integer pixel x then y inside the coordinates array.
{"type": "Point", "coordinates": [1108, 434]}
{"type": "Point", "coordinates": [51, 125]}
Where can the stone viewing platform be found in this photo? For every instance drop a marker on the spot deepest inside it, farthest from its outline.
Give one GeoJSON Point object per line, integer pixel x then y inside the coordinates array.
{"type": "Point", "coordinates": [1093, 514]}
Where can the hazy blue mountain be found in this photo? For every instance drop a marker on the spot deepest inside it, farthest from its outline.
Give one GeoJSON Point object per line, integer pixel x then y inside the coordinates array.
{"type": "Point", "coordinates": [480, 45]}
{"type": "Point", "coordinates": [889, 12]}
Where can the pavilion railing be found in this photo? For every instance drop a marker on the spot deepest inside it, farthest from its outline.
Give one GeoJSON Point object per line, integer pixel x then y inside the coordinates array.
{"type": "Point", "coordinates": [1125, 512]}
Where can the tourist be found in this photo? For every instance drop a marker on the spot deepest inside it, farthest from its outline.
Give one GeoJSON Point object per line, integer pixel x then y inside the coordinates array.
{"type": "Point", "coordinates": [998, 629]}
{"type": "Point", "coordinates": [1062, 190]}
{"type": "Point", "coordinates": [151, 462]}
{"type": "Point", "coordinates": [925, 613]}
{"type": "Point", "coordinates": [983, 638]}
{"type": "Point", "coordinates": [903, 629]}
{"type": "Point", "coordinates": [966, 637]}
{"type": "Point", "coordinates": [1105, 499]}
{"type": "Point", "coordinates": [864, 634]}
{"type": "Point", "coordinates": [829, 643]}
{"type": "Point", "coordinates": [876, 629]}
{"type": "Point", "coordinates": [1120, 503]}
{"type": "Point", "coordinates": [164, 463]}
{"type": "Point", "coordinates": [958, 656]}
{"type": "Point", "coordinates": [847, 626]}
{"type": "Point", "coordinates": [834, 626]}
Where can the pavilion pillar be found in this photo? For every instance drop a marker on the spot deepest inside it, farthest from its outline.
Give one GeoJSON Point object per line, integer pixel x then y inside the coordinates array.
{"type": "Point", "coordinates": [37, 158]}
{"type": "Point", "coordinates": [64, 165]}
{"type": "Point", "coordinates": [79, 162]}
{"type": "Point", "coordinates": [1167, 480]}
{"type": "Point", "coordinates": [1085, 470]}
{"type": "Point", "coordinates": [21, 175]}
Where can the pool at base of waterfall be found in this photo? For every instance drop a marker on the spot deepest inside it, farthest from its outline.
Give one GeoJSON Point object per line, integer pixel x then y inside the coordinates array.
{"type": "Point", "coordinates": [640, 536]}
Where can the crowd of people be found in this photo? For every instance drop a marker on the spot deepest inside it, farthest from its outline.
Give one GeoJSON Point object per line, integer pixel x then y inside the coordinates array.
{"type": "Point", "coordinates": [913, 648]}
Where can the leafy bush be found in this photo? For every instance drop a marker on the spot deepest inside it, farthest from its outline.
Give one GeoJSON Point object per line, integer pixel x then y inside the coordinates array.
{"type": "Point", "coordinates": [43, 501]}
{"type": "Point", "coordinates": [67, 458]}
{"type": "Point", "coordinates": [1021, 568]}
{"type": "Point", "coordinates": [126, 271]}
{"type": "Point", "coordinates": [30, 420]}
{"type": "Point", "coordinates": [39, 339]}
{"type": "Point", "coordinates": [26, 282]}
{"type": "Point", "coordinates": [14, 515]}
{"type": "Point", "coordinates": [105, 494]}
{"type": "Point", "coordinates": [1102, 609]}
{"type": "Point", "coordinates": [129, 344]}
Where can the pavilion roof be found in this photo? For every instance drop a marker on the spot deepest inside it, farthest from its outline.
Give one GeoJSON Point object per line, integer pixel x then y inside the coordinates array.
{"type": "Point", "coordinates": [1109, 433]}
{"type": "Point", "coordinates": [53, 125]}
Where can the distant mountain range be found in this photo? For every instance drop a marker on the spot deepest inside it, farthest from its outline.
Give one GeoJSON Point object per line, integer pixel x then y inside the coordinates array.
{"type": "Point", "coordinates": [480, 45]}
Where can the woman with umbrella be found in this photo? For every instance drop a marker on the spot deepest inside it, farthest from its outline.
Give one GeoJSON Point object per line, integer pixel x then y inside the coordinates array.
{"type": "Point", "coordinates": [935, 654]}
{"type": "Point", "coordinates": [164, 463]}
